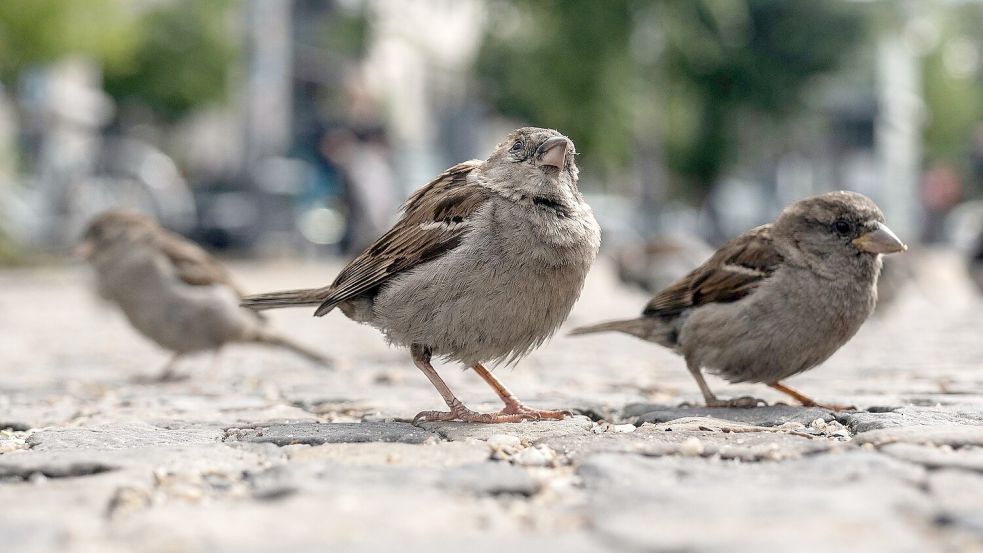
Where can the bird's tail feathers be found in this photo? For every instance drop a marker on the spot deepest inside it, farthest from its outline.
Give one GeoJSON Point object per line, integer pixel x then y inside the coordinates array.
{"type": "Point", "coordinates": [288, 298]}
{"type": "Point", "coordinates": [646, 328]}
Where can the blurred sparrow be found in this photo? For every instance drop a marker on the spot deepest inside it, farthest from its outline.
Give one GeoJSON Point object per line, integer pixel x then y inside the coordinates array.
{"type": "Point", "coordinates": [171, 290]}
{"type": "Point", "coordinates": [484, 264]}
{"type": "Point", "coordinates": [775, 301]}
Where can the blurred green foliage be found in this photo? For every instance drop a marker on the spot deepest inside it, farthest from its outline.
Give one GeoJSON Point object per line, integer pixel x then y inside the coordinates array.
{"type": "Point", "coordinates": [183, 58]}
{"type": "Point", "coordinates": [953, 85]}
{"type": "Point", "coordinates": [564, 64]}
{"type": "Point", "coordinates": [34, 32]}
{"type": "Point", "coordinates": [171, 56]}
{"type": "Point", "coordinates": [595, 69]}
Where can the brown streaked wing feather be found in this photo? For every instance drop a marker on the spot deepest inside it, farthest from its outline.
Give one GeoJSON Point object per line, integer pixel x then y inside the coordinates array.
{"type": "Point", "coordinates": [732, 273]}
{"type": "Point", "coordinates": [192, 264]}
{"type": "Point", "coordinates": [449, 199]}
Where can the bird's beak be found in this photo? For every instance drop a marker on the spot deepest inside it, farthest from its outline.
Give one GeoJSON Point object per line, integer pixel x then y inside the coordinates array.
{"type": "Point", "coordinates": [553, 152]}
{"type": "Point", "coordinates": [84, 249]}
{"type": "Point", "coordinates": [881, 240]}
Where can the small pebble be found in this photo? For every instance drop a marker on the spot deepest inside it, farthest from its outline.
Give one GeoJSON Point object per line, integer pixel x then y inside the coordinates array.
{"type": "Point", "coordinates": [622, 428]}
{"type": "Point", "coordinates": [504, 442]}
{"type": "Point", "coordinates": [692, 447]}
{"type": "Point", "coordinates": [539, 456]}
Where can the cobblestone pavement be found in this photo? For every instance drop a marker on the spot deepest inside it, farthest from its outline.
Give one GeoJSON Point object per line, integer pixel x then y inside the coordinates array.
{"type": "Point", "coordinates": [262, 451]}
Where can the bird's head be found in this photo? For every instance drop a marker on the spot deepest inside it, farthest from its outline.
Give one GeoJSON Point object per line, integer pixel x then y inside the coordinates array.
{"type": "Point", "coordinates": [837, 225]}
{"type": "Point", "coordinates": [112, 230]}
{"type": "Point", "coordinates": [535, 163]}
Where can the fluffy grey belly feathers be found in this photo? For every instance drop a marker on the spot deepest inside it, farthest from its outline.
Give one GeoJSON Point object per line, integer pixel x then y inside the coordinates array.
{"type": "Point", "coordinates": [777, 332]}
{"type": "Point", "coordinates": [488, 300]}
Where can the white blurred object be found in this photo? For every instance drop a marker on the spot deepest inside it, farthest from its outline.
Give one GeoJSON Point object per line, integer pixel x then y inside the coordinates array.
{"type": "Point", "coordinates": [964, 225]}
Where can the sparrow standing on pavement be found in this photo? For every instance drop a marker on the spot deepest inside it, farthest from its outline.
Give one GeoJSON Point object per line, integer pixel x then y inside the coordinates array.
{"type": "Point", "coordinates": [485, 263]}
{"type": "Point", "coordinates": [171, 290]}
{"type": "Point", "coordinates": [775, 301]}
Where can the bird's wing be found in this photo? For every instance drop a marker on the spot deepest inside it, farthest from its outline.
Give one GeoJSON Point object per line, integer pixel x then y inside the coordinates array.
{"type": "Point", "coordinates": [192, 264]}
{"type": "Point", "coordinates": [435, 219]}
{"type": "Point", "coordinates": [732, 273]}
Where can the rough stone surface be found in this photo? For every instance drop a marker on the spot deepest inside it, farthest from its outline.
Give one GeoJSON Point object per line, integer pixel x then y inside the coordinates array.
{"type": "Point", "coordinates": [950, 435]}
{"type": "Point", "coordinates": [772, 415]}
{"type": "Point", "coordinates": [317, 433]}
{"type": "Point", "coordinates": [265, 452]}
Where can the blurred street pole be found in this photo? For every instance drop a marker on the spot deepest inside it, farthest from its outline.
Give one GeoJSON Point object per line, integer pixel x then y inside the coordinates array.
{"type": "Point", "coordinates": [899, 131]}
{"type": "Point", "coordinates": [268, 111]}
{"type": "Point", "coordinates": [268, 81]}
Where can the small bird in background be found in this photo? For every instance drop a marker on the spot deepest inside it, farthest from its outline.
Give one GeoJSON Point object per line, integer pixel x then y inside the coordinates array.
{"type": "Point", "coordinates": [975, 264]}
{"type": "Point", "coordinates": [484, 264]}
{"type": "Point", "coordinates": [171, 290]}
{"type": "Point", "coordinates": [775, 301]}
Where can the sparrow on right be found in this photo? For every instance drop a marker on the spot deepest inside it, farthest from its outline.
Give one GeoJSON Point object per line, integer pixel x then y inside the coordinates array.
{"type": "Point", "coordinates": [775, 301]}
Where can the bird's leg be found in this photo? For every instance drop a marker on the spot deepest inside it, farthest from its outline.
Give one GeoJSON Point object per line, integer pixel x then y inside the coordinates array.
{"type": "Point", "coordinates": [168, 373]}
{"type": "Point", "coordinates": [711, 400]}
{"type": "Point", "coordinates": [216, 361]}
{"type": "Point", "coordinates": [512, 404]}
{"type": "Point", "coordinates": [421, 358]}
{"type": "Point", "coordinates": [807, 401]}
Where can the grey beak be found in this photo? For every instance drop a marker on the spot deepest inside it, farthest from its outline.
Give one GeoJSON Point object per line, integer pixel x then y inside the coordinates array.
{"type": "Point", "coordinates": [553, 152]}
{"type": "Point", "coordinates": [881, 240]}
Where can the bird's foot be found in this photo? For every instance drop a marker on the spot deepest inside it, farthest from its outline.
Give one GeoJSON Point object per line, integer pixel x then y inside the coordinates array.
{"type": "Point", "coordinates": [166, 377]}
{"type": "Point", "coordinates": [745, 402]}
{"type": "Point", "coordinates": [463, 414]}
{"type": "Point", "coordinates": [518, 408]}
{"type": "Point", "coordinates": [831, 406]}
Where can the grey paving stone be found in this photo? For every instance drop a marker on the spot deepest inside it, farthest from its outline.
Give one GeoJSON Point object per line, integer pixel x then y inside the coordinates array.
{"type": "Point", "coordinates": [957, 494]}
{"type": "Point", "coordinates": [121, 436]}
{"type": "Point", "coordinates": [908, 416]}
{"type": "Point", "coordinates": [966, 458]}
{"type": "Point", "coordinates": [322, 433]}
{"type": "Point", "coordinates": [771, 415]}
{"type": "Point", "coordinates": [527, 431]}
{"type": "Point", "coordinates": [490, 478]}
{"type": "Point", "coordinates": [440, 454]}
{"type": "Point", "coordinates": [16, 471]}
{"type": "Point", "coordinates": [697, 437]}
{"type": "Point", "coordinates": [952, 435]}
{"type": "Point", "coordinates": [16, 426]}
{"type": "Point", "coordinates": [713, 505]}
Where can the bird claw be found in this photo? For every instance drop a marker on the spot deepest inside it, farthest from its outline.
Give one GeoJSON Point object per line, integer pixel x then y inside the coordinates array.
{"type": "Point", "coordinates": [505, 415]}
{"type": "Point", "coordinates": [518, 408]}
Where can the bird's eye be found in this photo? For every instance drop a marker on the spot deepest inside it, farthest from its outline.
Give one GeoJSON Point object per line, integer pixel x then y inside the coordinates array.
{"type": "Point", "coordinates": [517, 147]}
{"type": "Point", "coordinates": [842, 227]}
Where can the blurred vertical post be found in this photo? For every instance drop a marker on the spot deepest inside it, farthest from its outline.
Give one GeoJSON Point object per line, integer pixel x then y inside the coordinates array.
{"type": "Point", "coordinates": [268, 82]}
{"type": "Point", "coordinates": [269, 71]}
{"type": "Point", "coordinates": [899, 130]}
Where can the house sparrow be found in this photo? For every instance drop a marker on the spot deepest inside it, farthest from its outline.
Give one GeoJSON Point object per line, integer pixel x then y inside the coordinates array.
{"type": "Point", "coordinates": [484, 264]}
{"type": "Point", "coordinates": [775, 301]}
{"type": "Point", "coordinates": [975, 263]}
{"type": "Point", "coordinates": [171, 290]}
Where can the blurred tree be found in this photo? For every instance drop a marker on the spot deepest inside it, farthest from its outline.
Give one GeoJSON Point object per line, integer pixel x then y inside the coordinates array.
{"type": "Point", "coordinates": [953, 77]}
{"type": "Point", "coordinates": [183, 59]}
{"type": "Point", "coordinates": [590, 67]}
{"type": "Point", "coordinates": [35, 32]}
{"type": "Point", "coordinates": [564, 64]}
{"type": "Point", "coordinates": [170, 56]}
{"type": "Point", "coordinates": [727, 59]}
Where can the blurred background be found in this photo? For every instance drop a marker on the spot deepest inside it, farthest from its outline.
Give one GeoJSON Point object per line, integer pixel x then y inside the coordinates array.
{"type": "Point", "coordinates": [297, 127]}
